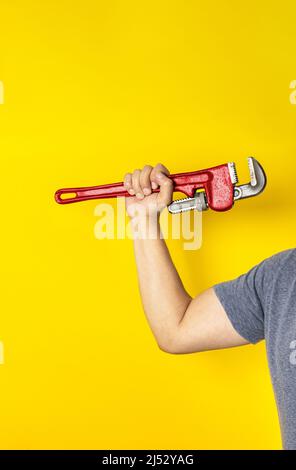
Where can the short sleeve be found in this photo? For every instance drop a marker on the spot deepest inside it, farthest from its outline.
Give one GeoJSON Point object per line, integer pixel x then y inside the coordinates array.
{"type": "Point", "coordinates": [243, 300]}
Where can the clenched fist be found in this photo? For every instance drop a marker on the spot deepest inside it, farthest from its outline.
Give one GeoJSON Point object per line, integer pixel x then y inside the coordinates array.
{"type": "Point", "coordinates": [140, 184]}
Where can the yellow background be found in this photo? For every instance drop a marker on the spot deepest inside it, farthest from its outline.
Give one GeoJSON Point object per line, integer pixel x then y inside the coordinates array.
{"type": "Point", "coordinates": [93, 89]}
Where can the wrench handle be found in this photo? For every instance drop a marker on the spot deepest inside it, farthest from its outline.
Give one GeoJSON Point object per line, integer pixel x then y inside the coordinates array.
{"type": "Point", "coordinates": [182, 183]}
{"type": "Point", "coordinates": [104, 191]}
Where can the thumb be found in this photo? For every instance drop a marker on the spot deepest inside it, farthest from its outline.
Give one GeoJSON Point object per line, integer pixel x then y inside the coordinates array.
{"type": "Point", "coordinates": [166, 188]}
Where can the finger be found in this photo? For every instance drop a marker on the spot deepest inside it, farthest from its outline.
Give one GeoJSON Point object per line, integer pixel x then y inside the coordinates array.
{"type": "Point", "coordinates": [145, 180]}
{"type": "Point", "coordinates": [153, 177]}
{"type": "Point", "coordinates": [127, 183]}
{"type": "Point", "coordinates": [162, 168]}
{"type": "Point", "coordinates": [166, 188]}
{"type": "Point", "coordinates": [136, 184]}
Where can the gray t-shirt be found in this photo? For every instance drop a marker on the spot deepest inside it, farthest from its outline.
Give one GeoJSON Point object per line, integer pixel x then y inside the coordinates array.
{"type": "Point", "coordinates": [261, 304]}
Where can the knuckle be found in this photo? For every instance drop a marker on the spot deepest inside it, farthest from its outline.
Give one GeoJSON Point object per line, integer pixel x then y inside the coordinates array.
{"type": "Point", "coordinates": [136, 178]}
{"type": "Point", "coordinates": [136, 175]}
{"type": "Point", "coordinates": [127, 177]}
{"type": "Point", "coordinates": [147, 167]}
{"type": "Point", "coordinates": [144, 177]}
{"type": "Point", "coordinates": [160, 166]}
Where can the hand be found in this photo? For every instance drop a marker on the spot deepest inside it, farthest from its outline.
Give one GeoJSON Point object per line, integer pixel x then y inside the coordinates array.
{"type": "Point", "coordinates": [140, 184]}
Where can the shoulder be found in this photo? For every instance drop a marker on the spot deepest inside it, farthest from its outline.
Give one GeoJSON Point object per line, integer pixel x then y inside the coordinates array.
{"type": "Point", "coordinates": [283, 259]}
{"type": "Point", "coordinates": [276, 270]}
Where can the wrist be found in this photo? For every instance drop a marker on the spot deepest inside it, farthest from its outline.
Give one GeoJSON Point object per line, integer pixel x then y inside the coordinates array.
{"type": "Point", "coordinates": [145, 226]}
{"type": "Point", "coordinates": [143, 213]}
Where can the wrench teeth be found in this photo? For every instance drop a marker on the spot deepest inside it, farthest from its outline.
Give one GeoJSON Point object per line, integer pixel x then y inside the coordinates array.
{"type": "Point", "coordinates": [252, 171]}
{"type": "Point", "coordinates": [233, 173]}
{"type": "Point", "coordinates": [182, 205]}
{"type": "Point", "coordinates": [198, 202]}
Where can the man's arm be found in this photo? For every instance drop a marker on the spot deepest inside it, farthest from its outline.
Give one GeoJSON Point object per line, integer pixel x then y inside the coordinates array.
{"type": "Point", "coordinates": [179, 323]}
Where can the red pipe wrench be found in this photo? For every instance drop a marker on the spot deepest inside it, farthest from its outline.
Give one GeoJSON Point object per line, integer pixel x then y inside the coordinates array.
{"type": "Point", "coordinates": [218, 185]}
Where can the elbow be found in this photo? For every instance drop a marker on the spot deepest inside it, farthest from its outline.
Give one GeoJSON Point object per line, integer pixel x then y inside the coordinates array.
{"type": "Point", "coordinates": [176, 348]}
{"type": "Point", "coordinates": [169, 350]}
{"type": "Point", "coordinates": [176, 344]}
{"type": "Point", "coordinates": [170, 346]}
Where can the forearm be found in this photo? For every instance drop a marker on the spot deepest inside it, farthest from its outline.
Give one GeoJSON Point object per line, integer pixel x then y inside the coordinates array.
{"type": "Point", "coordinates": [163, 296]}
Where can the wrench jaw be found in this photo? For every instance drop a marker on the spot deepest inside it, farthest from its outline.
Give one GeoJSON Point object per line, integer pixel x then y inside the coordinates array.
{"type": "Point", "coordinates": [257, 183]}
{"type": "Point", "coordinates": [199, 201]}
